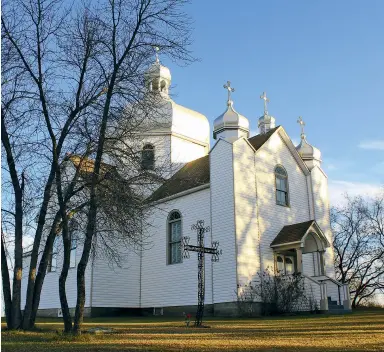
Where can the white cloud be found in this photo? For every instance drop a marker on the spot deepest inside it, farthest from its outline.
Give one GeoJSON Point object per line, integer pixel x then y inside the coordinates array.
{"type": "Point", "coordinates": [373, 145]}
{"type": "Point", "coordinates": [337, 190]}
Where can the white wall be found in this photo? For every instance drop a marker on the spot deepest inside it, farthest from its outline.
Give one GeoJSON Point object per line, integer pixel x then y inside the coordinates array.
{"type": "Point", "coordinates": [322, 215]}
{"type": "Point", "coordinates": [114, 286]}
{"type": "Point", "coordinates": [247, 235]}
{"type": "Point", "coordinates": [272, 216]}
{"type": "Point", "coordinates": [308, 264]}
{"type": "Point", "coordinates": [175, 284]}
{"type": "Point", "coordinates": [50, 291]}
{"type": "Point", "coordinates": [183, 151]}
{"type": "Point", "coordinates": [223, 221]}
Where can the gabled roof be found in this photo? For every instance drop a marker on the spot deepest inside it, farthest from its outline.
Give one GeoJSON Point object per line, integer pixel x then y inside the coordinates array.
{"type": "Point", "coordinates": [295, 235]}
{"type": "Point", "coordinates": [292, 233]}
{"type": "Point", "coordinates": [191, 175]}
{"type": "Point", "coordinates": [197, 173]}
{"type": "Point", "coordinates": [258, 140]}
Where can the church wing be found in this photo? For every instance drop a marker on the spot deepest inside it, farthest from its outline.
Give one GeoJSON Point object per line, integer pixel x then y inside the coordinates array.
{"type": "Point", "coordinates": [193, 174]}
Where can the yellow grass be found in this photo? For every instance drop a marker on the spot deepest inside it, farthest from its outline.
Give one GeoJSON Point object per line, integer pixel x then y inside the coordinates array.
{"type": "Point", "coordinates": [362, 331]}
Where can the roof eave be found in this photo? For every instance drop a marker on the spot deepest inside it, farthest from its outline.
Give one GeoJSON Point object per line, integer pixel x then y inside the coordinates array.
{"type": "Point", "coordinates": [180, 194]}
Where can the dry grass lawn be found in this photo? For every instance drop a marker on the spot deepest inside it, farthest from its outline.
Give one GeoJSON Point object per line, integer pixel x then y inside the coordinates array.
{"type": "Point", "coordinates": [360, 331]}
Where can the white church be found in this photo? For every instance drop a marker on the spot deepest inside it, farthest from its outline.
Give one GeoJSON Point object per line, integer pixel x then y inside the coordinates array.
{"type": "Point", "coordinates": [264, 199]}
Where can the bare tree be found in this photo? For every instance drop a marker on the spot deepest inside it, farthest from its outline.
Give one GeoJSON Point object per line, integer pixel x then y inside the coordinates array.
{"type": "Point", "coordinates": [68, 77]}
{"type": "Point", "coordinates": [128, 28]}
{"type": "Point", "coordinates": [359, 247]}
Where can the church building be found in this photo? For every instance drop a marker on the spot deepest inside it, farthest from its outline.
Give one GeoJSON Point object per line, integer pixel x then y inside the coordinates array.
{"type": "Point", "coordinates": [264, 199]}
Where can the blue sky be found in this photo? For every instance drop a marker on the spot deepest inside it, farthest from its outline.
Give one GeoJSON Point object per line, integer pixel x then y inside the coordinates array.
{"type": "Point", "coordinates": [323, 60]}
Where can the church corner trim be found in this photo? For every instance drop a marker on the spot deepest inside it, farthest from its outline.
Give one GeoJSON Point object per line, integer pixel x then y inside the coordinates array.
{"type": "Point", "coordinates": [288, 142]}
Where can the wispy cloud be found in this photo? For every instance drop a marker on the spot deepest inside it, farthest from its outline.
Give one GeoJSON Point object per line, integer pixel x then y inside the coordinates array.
{"type": "Point", "coordinates": [373, 145]}
{"type": "Point", "coordinates": [338, 189]}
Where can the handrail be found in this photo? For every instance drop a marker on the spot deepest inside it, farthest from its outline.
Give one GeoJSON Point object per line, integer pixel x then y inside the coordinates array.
{"type": "Point", "coordinates": [313, 280]}
{"type": "Point", "coordinates": [330, 279]}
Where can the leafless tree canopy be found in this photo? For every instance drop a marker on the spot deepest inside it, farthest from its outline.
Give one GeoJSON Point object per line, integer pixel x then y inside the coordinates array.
{"type": "Point", "coordinates": [73, 85]}
{"type": "Point", "coordinates": [358, 229]}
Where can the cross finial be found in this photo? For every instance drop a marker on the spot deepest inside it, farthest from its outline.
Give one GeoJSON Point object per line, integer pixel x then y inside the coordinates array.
{"type": "Point", "coordinates": [157, 49]}
{"type": "Point", "coordinates": [266, 101]}
{"type": "Point", "coordinates": [230, 90]}
{"type": "Point", "coordinates": [301, 122]}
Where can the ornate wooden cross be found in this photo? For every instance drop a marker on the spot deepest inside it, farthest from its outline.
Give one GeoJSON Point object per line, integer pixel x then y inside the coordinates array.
{"type": "Point", "coordinates": [266, 101]}
{"type": "Point", "coordinates": [200, 249]}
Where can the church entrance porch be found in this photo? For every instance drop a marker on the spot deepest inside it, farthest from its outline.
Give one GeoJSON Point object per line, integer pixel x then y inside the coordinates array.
{"type": "Point", "coordinates": [300, 248]}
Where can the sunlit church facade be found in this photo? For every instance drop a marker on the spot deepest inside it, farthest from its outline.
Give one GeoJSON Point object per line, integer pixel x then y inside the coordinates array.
{"type": "Point", "coordinates": [264, 199]}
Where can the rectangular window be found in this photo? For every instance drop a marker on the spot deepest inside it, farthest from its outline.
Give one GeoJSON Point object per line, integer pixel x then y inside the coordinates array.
{"type": "Point", "coordinates": [281, 191]}
{"type": "Point", "coordinates": [72, 263]}
{"type": "Point", "coordinates": [281, 181]}
{"type": "Point", "coordinates": [175, 242]}
{"type": "Point", "coordinates": [52, 259]}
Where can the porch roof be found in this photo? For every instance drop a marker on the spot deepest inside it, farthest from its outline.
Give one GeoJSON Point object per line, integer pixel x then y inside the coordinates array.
{"type": "Point", "coordinates": [296, 233]}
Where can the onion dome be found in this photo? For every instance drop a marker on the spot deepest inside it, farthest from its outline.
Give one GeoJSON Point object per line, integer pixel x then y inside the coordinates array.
{"type": "Point", "coordinates": [158, 78]}
{"type": "Point", "coordinates": [266, 122]}
{"type": "Point", "coordinates": [308, 151]}
{"type": "Point", "coordinates": [310, 154]}
{"type": "Point", "coordinates": [230, 124]}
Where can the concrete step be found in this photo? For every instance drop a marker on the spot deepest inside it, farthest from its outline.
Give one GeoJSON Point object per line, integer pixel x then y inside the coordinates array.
{"type": "Point", "coordinates": [330, 302]}
{"type": "Point", "coordinates": [335, 307]}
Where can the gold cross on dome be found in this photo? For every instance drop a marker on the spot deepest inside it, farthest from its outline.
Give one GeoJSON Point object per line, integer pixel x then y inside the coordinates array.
{"type": "Point", "coordinates": [301, 122]}
{"type": "Point", "coordinates": [229, 89]}
{"type": "Point", "coordinates": [266, 101]}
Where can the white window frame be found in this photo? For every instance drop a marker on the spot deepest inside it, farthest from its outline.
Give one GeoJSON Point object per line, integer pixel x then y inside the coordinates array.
{"type": "Point", "coordinates": [171, 243]}
{"type": "Point", "coordinates": [283, 176]}
{"type": "Point", "coordinates": [284, 270]}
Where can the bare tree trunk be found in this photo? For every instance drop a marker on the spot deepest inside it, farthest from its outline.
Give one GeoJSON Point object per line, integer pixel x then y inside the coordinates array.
{"type": "Point", "coordinates": [67, 254]}
{"type": "Point", "coordinates": [42, 270]}
{"type": "Point", "coordinates": [62, 280]}
{"type": "Point", "coordinates": [35, 252]}
{"type": "Point", "coordinates": [91, 225]}
{"type": "Point", "coordinates": [6, 282]}
{"type": "Point", "coordinates": [15, 312]}
{"type": "Point", "coordinates": [79, 313]}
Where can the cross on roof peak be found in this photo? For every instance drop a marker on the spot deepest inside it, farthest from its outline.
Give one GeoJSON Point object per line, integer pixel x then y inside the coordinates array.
{"type": "Point", "coordinates": [266, 101]}
{"type": "Point", "coordinates": [301, 122]}
{"type": "Point", "coordinates": [230, 90]}
{"type": "Point", "coordinates": [157, 49]}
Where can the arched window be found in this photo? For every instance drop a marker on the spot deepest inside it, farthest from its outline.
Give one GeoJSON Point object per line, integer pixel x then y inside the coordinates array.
{"type": "Point", "coordinates": [148, 157]}
{"type": "Point", "coordinates": [163, 85]}
{"type": "Point", "coordinates": [281, 178]}
{"type": "Point", "coordinates": [280, 264]}
{"type": "Point", "coordinates": [289, 267]}
{"type": "Point", "coordinates": [174, 237]}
